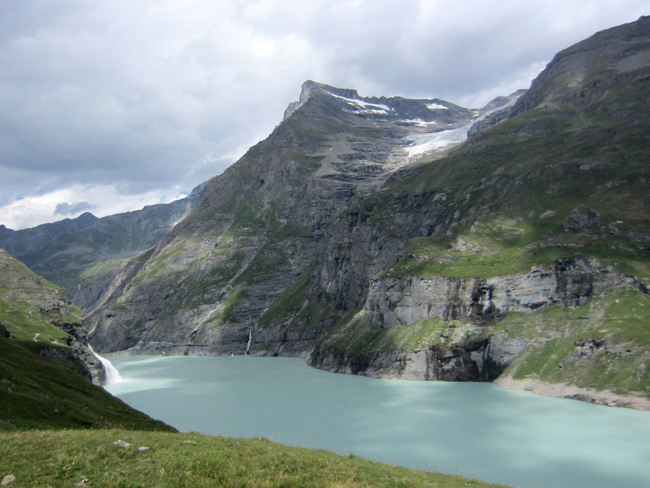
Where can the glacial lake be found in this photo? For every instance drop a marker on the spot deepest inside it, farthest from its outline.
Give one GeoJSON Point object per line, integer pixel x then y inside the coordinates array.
{"type": "Point", "coordinates": [472, 429]}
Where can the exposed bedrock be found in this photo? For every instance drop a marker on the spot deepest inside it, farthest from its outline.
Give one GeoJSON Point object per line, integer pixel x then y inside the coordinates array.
{"type": "Point", "coordinates": [475, 302]}
{"type": "Point", "coordinates": [399, 301]}
{"type": "Point", "coordinates": [480, 360]}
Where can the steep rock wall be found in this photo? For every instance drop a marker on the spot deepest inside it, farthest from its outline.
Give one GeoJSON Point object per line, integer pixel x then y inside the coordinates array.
{"type": "Point", "coordinates": [475, 360]}
{"type": "Point", "coordinates": [399, 301]}
{"type": "Point", "coordinates": [473, 304]}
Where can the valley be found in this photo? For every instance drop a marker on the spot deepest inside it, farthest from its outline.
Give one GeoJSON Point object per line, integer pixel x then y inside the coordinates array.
{"type": "Point", "coordinates": [428, 247]}
{"type": "Point", "coordinates": [332, 242]}
{"type": "Point", "coordinates": [386, 237]}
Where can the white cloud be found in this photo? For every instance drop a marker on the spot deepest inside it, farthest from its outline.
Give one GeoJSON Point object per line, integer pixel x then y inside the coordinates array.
{"type": "Point", "coordinates": [144, 95]}
{"type": "Point", "coordinates": [74, 200]}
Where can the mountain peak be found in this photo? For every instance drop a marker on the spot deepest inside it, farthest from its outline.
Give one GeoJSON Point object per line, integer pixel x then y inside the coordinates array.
{"type": "Point", "coordinates": [424, 115]}
{"type": "Point", "coordinates": [309, 87]}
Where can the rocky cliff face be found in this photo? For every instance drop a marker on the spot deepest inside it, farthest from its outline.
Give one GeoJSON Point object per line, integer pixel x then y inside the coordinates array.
{"type": "Point", "coordinates": [370, 236]}
{"type": "Point", "coordinates": [467, 305]}
{"type": "Point", "coordinates": [264, 222]}
{"type": "Point", "coordinates": [392, 302]}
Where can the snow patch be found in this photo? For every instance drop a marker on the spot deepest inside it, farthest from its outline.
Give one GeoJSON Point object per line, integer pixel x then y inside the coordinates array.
{"type": "Point", "coordinates": [436, 106]}
{"type": "Point", "coordinates": [365, 107]}
{"type": "Point", "coordinates": [436, 141]}
{"type": "Point", "coordinates": [418, 122]}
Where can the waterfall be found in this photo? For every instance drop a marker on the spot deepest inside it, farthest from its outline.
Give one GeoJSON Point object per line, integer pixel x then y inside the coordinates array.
{"type": "Point", "coordinates": [250, 339]}
{"type": "Point", "coordinates": [112, 375]}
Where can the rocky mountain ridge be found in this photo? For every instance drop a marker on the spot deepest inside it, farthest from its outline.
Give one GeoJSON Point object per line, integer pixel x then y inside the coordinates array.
{"type": "Point", "coordinates": [261, 224]}
{"type": "Point", "coordinates": [76, 252]}
{"type": "Point", "coordinates": [398, 110]}
{"type": "Point", "coordinates": [26, 241]}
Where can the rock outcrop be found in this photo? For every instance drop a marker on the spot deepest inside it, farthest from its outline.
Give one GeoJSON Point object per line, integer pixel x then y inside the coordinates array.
{"type": "Point", "coordinates": [393, 302]}
{"type": "Point", "coordinates": [468, 305]}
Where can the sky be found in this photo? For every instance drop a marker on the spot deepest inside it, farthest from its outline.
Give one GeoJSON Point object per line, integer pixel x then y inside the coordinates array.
{"type": "Point", "coordinates": [110, 106]}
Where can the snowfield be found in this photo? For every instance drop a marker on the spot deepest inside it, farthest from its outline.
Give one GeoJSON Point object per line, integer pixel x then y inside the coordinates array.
{"type": "Point", "coordinates": [418, 122]}
{"type": "Point", "coordinates": [364, 107]}
{"type": "Point", "coordinates": [436, 141]}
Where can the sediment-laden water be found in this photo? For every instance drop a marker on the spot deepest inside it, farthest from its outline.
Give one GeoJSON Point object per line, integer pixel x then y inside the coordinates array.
{"type": "Point", "coordinates": [474, 429]}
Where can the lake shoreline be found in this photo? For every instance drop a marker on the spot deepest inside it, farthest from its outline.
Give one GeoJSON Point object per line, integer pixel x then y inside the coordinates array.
{"type": "Point", "coordinates": [539, 387]}
{"type": "Point", "coordinates": [475, 429]}
{"type": "Point", "coordinates": [572, 392]}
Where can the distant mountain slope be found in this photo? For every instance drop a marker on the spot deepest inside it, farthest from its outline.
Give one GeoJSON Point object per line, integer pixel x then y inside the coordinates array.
{"type": "Point", "coordinates": [74, 253]}
{"type": "Point", "coordinates": [582, 71]}
{"type": "Point", "coordinates": [26, 241]}
{"type": "Point", "coordinates": [518, 255]}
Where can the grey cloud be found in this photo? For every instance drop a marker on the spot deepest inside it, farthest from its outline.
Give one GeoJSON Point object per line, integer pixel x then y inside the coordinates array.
{"type": "Point", "coordinates": [148, 95]}
{"type": "Point", "coordinates": [74, 208]}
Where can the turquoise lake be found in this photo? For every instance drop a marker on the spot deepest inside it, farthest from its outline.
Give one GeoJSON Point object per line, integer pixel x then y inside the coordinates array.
{"type": "Point", "coordinates": [473, 429]}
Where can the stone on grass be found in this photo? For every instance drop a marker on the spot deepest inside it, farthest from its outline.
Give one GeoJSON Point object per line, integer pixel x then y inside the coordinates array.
{"type": "Point", "coordinates": [121, 443]}
{"type": "Point", "coordinates": [10, 478]}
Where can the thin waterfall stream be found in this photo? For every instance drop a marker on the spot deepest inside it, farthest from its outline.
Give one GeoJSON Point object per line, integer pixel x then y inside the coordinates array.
{"type": "Point", "coordinates": [250, 339]}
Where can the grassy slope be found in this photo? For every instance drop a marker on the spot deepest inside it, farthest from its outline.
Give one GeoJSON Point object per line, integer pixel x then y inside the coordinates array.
{"type": "Point", "coordinates": [31, 307]}
{"type": "Point", "coordinates": [603, 344]}
{"type": "Point", "coordinates": [69, 458]}
{"type": "Point", "coordinates": [518, 184]}
{"type": "Point", "coordinates": [39, 393]}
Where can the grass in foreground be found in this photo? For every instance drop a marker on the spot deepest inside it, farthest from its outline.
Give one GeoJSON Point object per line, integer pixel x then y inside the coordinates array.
{"type": "Point", "coordinates": [90, 458]}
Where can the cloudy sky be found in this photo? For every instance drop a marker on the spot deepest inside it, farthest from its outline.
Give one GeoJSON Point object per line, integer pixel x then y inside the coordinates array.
{"type": "Point", "coordinates": [109, 106]}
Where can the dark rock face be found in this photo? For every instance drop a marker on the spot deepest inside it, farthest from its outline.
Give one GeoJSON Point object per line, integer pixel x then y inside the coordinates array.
{"type": "Point", "coordinates": [481, 360]}
{"type": "Point", "coordinates": [395, 302]}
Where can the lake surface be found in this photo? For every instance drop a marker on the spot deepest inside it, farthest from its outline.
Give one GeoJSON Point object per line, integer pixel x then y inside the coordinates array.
{"type": "Point", "coordinates": [473, 429]}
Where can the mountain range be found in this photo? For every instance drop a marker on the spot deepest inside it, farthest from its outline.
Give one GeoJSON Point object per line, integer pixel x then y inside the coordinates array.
{"type": "Point", "coordinates": [75, 252]}
{"type": "Point", "coordinates": [403, 238]}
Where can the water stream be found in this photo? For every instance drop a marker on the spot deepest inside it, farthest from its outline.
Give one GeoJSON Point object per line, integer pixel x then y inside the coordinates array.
{"type": "Point", "coordinates": [111, 374]}
{"type": "Point", "coordinates": [250, 339]}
